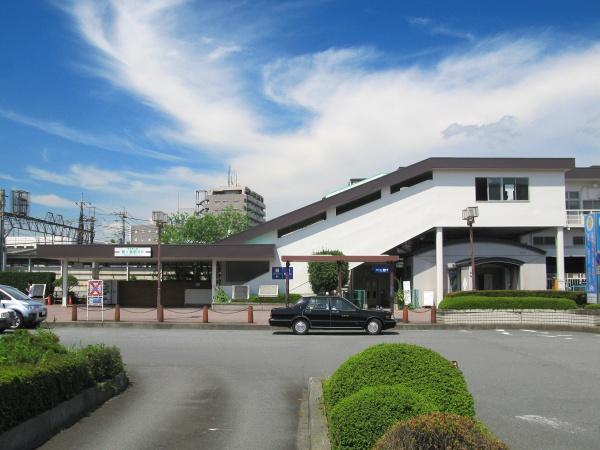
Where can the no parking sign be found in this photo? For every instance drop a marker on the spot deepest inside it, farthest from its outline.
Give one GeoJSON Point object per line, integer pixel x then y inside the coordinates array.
{"type": "Point", "coordinates": [95, 296]}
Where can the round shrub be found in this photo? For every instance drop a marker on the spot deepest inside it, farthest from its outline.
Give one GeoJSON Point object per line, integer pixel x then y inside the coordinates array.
{"type": "Point", "coordinates": [357, 421]}
{"type": "Point", "coordinates": [438, 431]}
{"type": "Point", "coordinates": [420, 369]}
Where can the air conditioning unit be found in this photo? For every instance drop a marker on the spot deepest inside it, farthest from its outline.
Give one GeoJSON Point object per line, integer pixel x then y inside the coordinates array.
{"type": "Point", "coordinates": [240, 292]}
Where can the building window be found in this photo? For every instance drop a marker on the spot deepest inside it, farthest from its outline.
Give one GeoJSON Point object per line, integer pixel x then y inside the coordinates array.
{"type": "Point", "coordinates": [578, 241]}
{"type": "Point", "coordinates": [572, 200]}
{"type": "Point", "coordinates": [544, 240]}
{"type": "Point", "coordinates": [501, 189]}
{"type": "Point", "coordinates": [591, 204]}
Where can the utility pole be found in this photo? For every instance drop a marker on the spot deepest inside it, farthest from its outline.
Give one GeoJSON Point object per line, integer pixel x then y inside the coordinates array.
{"type": "Point", "coordinates": [92, 214]}
{"type": "Point", "coordinates": [123, 215]}
{"type": "Point", "coordinates": [80, 227]}
{"type": "Point", "coordinates": [2, 246]}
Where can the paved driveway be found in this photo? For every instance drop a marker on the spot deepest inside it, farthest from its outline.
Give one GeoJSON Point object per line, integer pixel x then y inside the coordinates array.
{"type": "Point", "coordinates": [242, 389]}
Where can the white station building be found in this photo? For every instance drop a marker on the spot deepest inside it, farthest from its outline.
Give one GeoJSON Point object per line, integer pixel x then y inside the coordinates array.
{"type": "Point", "coordinates": [528, 234]}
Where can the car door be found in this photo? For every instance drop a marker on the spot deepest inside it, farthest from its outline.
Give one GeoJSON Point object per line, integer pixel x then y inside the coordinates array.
{"type": "Point", "coordinates": [318, 312]}
{"type": "Point", "coordinates": [5, 300]}
{"type": "Point", "coordinates": [344, 314]}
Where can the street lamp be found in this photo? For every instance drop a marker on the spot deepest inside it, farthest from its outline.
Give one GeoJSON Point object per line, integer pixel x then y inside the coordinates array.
{"type": "Point", "coordinates": [160, 219]}
{"type": "Point", "coordinates": [469, 215]}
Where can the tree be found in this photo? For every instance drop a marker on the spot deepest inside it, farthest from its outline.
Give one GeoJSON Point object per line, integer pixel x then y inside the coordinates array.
{"type": "Point", "coordinates": [190, 229]}
{"type": "Point", "coordinates": [323, 277]}
{"type": "Point", "coordinates": [72, 281]}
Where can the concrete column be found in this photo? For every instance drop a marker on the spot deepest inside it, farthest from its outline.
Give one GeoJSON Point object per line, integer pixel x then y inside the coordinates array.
{"type": "Point", "coordinates": [127, 271]}
{"type": "Point", "coordinates": [95, 271]}
{"type": "Point", "coordinates": [29, 266]}
{"type": "Point", "coordinates": [213, 282]}
{"type": "Point", "coordinates": [439, 264]}
{"type": "Point", "coordinates": [64, 269]}
{"type": "Point", "coordinates": [560, 258]}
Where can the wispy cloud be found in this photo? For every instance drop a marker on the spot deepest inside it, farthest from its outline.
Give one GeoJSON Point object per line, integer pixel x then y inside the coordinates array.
{"type": "Point", "coordinates": [355, 116]}
{"type": "Point", "coordinates": [52, 200]}
{"type": "Point", "coordinates": [111, 143]}
{"type": "Point", "coordinates": [439, 29]}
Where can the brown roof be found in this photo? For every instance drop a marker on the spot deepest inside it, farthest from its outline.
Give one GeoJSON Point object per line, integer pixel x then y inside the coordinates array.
{"type": "Point", "coordinates": [581, 173]}
{"type": "Point", "coordinates": [346, 258]}
{"type": "Point", "coordinates": [168, 252]}
{"type": "Point", "coordinates": [402, 174]}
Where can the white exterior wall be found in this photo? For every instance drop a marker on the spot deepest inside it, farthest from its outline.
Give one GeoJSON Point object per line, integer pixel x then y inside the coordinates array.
{"type": "Point", "coordinates": [395, 218]}
{"type": "Point", "coordinates": [532, 273]}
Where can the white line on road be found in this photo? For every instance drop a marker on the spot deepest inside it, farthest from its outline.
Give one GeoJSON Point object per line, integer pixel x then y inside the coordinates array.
{"type": "Point", "coordinates": [530, 331]}
{"type": "Point", "coordinates": [465, 331]}
{"type": "Point", "coordinates": [552, 422]}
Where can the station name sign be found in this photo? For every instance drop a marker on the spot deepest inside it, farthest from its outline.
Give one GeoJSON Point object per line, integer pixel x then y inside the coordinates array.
{"type": "Point", "coordinates": [133, 252]}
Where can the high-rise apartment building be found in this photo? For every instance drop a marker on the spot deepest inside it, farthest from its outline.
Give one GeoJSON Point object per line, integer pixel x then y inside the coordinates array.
{"type": "Point", "coordinates": [241, 198]}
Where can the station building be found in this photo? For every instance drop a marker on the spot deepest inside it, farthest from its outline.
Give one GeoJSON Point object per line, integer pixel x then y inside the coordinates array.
{"type": "Point", "coordinates": [528, 233]}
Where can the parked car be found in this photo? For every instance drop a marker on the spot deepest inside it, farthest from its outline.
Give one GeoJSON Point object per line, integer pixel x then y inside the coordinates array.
{"type": "Point", "coordinates": [7, 317]}
{"type": "Point", "coordinates": [330, 312]}
{"type": "Point", "coordinates": [29, 313]}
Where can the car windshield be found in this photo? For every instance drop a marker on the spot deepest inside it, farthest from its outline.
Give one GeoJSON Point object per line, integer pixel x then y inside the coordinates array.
{"type": "Point", "coordinates": [15, 293]}
{"type": "Point", "coordinates": [301, 301]}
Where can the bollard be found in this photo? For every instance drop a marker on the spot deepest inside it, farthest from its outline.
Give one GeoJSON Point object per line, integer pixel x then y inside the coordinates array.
{"type": "Point", "coordinates": [433, 314]}
{"type": "Point", "coordinates": [250, 314]}
{"type": "Point", "coordinates": [205, 314]}
{"type": "Point", "coordinates": [405, 314]}
{"type": "Point", "coordinates": [69, 300]}
{"type": "Point", "coordinates": [49, 300]}
{"type": "Point", "coordinates": [160, 314]}
{"type": "Point", "coordinates": [74, 313]}
{"type": "Point", "coordinates": [117, 313]}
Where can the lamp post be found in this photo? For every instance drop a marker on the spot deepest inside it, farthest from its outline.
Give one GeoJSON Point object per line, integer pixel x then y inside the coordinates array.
{"type": "Point", "coordinates": [159, 218]}
{"type": "Point", "coordinates": [469, 214]}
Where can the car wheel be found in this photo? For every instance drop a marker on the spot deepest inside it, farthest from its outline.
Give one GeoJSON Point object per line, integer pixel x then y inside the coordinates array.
{"type": "Point", "coordinates": [300, 326]}
{"type": "Point", "coordinates": [1, 330]}
{"type": "Point", "coordinates": [18, 322]}
{"type": "Point", "coordinates": [373, 327]}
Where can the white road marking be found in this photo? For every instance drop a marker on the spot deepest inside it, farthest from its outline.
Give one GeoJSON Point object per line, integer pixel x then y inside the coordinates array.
{"type": "Point", "coordinates": [506, 333]}
{"type": "Point", "coordinates": [499, 329]}
{"type": "Point", "coordinates": [530, 331]}
{"type": "Point", "coordinates": [551, 422]}
{"type": "Point", "coordinates": [213, 429]}
{"type": "Point", "coordinates": [465, 331]}
{"type": "Point", "coordinates": [548, 335]}
{"type": "Point", "coordinates": [568, 339]}
{"type": "Point", "coordinates": [564, 335]}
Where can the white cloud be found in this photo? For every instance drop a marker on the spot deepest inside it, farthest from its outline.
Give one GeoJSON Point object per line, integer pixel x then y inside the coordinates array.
{"type": "Point", "coordinates": [357, 118]}
{"type": "Point", "coordinates": [52, 200]}
{"type": "Point", "coordinates": [439, 29]}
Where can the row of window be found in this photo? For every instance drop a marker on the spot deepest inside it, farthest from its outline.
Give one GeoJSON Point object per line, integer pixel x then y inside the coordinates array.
{"type": "Point", "coordinates": [578, 241]}
{"type": "Point", "coordinates": [573, 201]}
{"type": "Point", "coordinates": [501, 189]}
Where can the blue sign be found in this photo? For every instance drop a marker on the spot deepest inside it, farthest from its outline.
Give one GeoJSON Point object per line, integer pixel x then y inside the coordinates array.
{"type": "Point", "coordinates": [278, 273]}
{"type": "Point", "coordinates": [380, 269]}
{"type": "Point", "coordinates": [592, 245]}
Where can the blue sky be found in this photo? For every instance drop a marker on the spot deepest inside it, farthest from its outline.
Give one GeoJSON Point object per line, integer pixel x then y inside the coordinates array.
{"type": "Point", "coordinates": [138, 103]}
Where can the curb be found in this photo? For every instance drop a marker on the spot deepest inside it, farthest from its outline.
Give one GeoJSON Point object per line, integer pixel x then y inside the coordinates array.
{"type": "Point", "coordinates": [34, 432]}
{"type": "Point", "coordinates": [317, 422]}
{"type": "Point", "coordinates": [493, 326]}
{"type": "Point", "coordinates": [160, 325]}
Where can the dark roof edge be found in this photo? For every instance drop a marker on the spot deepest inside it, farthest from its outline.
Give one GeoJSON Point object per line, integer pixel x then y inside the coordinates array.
{"type": "Point", "coordinates": [398, 176]}
{"type": "Point", "coordinates": [582, 173]}
{"type": "Point", "coordinates": [485, 241]}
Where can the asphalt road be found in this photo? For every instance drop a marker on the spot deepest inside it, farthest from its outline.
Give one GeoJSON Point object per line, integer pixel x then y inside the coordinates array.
{"type": "Point", "coordinates": [242, 389]}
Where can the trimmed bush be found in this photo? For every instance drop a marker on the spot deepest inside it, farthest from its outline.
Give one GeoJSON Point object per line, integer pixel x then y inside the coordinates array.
{"type": "Point", "coordinates": [323, 277]}
{"type": "Point", "coordinates": [357, 421]}
{"type": "Point", "coordinates": [439, 431]}
{"type": "Point", "coordinates": [578, 297]}
{"type": "Point", "coordinates": [477, 302]}
{"type": "Point", "coordinates": [279, 299]}
{"type": "Point", "coordinates": [19, 279]}
{"type": "Point", "coordinates": [593, 306]}
{"type": "Point", "coordinates": [420, 369]}
{"type": "Point", "coordinates": [38, 373]}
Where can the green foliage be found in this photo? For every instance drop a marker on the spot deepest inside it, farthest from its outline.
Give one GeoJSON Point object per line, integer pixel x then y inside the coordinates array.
{"type": "Point", "coordinates": [417, 368]}
{"type": "Point", "coordinates": [23, 347]}
{"type": "Point", "coordinates": [279, 299]}
{"type": "Point", "coordinates": [578, 297]}
{"type": "Point", "coordinates": [592, 306]}
{"type": "Point", "coordinates": [19, 280]}
{"type": "Point", "coordinates": [72, 281]}
{"type": "Point", "coordinates": [207, 229]}
{"type": "Point", "coordinates": [357, 421]}
{"type": "Point", "coordinates": [221, 296]}
{"type": "Point", "coordinates": [43, 374]}
{"type": "Point", "coordinates": [477, 302]}
{"type": "Point", "coordinates": [439, 431]}
{"type": "Point", "coordinates": [323, 277]}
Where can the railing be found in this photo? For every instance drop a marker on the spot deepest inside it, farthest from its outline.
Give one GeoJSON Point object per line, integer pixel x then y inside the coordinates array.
{"type": "Point", "coordinates": [575, 216]}
{"type": "Point", "coordinates": [573, 281]}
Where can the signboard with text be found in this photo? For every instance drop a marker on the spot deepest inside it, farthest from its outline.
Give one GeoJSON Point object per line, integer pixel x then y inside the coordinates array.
{"type": "Point", "coordinates": [278, 273]}
{"type": "Point", "coordinates": [133, 252]}
{"type": "Point", "coordinates": [592, 254]}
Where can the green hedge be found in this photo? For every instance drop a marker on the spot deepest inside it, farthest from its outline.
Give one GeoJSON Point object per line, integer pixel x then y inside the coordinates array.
{"type": "Point", "coordinates": [279, 299]}
{"type": "Point", "coordinates": [578, 297]}
{"type": "Point", "coordinates": [482, 302]}
{"type": "Point", "coordinates": [49, 376]}
{"type": "Point", "coordinates": [592, 306]}
{"type": "Point", "coordinates": [420, 369]}
{"type": "Point", "coordinates": [19, 279]}
{"type": "Point", "coordinates": [357, 421]}
{"type": "Point", "coordinates": [438, 431]}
